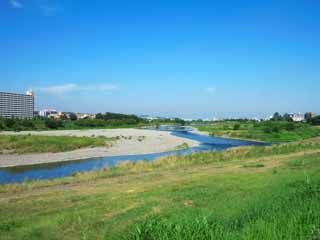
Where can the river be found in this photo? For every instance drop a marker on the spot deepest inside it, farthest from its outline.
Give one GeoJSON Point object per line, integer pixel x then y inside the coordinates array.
{"type": "Point", "coordinates": [63, 169]}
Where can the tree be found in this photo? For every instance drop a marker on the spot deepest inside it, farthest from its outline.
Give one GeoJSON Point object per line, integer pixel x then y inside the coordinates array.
{"type": "Point", "coordinates": [287, 117]}
{"type": "Point", "coordinates": [315, 120]}
{"type": "Point", "coordinates": [73, 117]}
{"type": "Point", "coordinates": [27, 123]}
{"type": "Point", "coordinates": [236, 126]}
{"type": "Point", "coordinates": [290, 126]}
{"type": "Point", "coordinates": [10, 122]}
{"type": "Point", "coordinates": [2, 125]}
{"type": "Point", "coordinates": [51, 123]}
{"type": "Point", "coordinates": [180, 121]}
{"type": "Point", "coordinates": [277, 117]}
{"type": "Point", "coordinates": [99, 116]}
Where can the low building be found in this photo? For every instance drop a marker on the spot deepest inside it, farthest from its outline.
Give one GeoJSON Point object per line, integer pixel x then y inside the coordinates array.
{"type": "Point", "coordinates": [17, 105]}
{"type": "Point", "coordinates": [46, 113]}
{"type": "Point", "coordinates": [36, 113]}
{"type": "Point", "coordinates": [296, 117]}
{"type": "Point", "coordinates": [85, 116]}
{"type": "Point", "coordinates": [309, 115]}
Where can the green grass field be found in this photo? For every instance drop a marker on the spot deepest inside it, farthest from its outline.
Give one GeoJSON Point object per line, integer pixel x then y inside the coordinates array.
{"type": "Point", "coordinates": [268, 131]}
{"type": "Point", "coordinates": [242, 193]}
{"type": "Point", "coordinates": [44, 144]}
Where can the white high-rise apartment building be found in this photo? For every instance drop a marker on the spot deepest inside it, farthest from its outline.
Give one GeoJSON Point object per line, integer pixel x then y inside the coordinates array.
{"type": "Point", "coordinates": [17, 105]}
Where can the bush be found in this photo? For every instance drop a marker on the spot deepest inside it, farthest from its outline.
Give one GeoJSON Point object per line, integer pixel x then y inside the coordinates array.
{"type": "Point", "coordinates": [17, 127]}
{"type": "Point", "coordinates": [10, 122]}
{"type": "Point", "coordinates": [236, 126]}
{"type": "Point", "coordinates": [290, 126]}
{"type": "Point", "coordinates": [73, 117]}
{"type": "Point", "coordinates": [315, 120]}
{"type": "Point", "coordinates": [27, 123]}
{"type": "Point", "coordinates": [90, 123]}
{"type": "Point", "coordinates": [53, 124]}
{"type": "Point", "coordinates": [2, 125]}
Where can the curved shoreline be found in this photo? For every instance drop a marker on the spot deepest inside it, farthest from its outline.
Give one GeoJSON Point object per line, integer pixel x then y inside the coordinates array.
{"type": "Point", "coordinates": [131, 142]}
{"type": "Point", "coordinates": [194, 130]}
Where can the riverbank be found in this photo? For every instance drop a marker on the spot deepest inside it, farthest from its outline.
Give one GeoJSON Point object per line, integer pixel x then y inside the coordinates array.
{"type": "Point", "coordinates": [129, 142]}
{"type": "Point", "coordinates": [247, 193]}
{"type": "Point", "coordinates": [206, 133]}
{"type": "Point", "coordinates": [265, 131]}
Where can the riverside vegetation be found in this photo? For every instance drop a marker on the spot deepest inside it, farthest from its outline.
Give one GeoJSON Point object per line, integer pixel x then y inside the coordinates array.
{"type": "Point", "coordinates": [268, 131]}
{"type": "Point", "coordinates": [44, 144]}
{"type": "Point", "coordinates": [107, 120]}
{"type": "Point", "coordinates": [242, 193]}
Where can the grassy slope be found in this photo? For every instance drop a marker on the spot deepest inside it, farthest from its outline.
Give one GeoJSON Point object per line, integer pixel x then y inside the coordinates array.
{"type": "Point", "coordinates": [209, 195]}
{"type": "Point", "coordinates": [42, 144]}
{"type": "Point", "coordinates": [257, 131]}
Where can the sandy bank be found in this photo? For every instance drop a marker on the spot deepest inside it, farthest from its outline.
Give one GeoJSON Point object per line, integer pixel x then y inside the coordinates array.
{"type": "Point", "coordinates": [132, 141]}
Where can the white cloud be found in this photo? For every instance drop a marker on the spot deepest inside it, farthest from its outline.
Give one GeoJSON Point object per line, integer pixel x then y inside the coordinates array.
{"type": "Point", "coordinates": [211, 89]}
{"type": "Point", "coordinates": [71, 87]}
{"type": "Point", "coordinates": [15, 4]}
{"type": "Point", "coordinates": [46, 8]}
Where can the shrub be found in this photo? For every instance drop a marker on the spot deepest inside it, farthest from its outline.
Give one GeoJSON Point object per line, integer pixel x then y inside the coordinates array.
{"type": "Point", "coordinates": [315, 120]}
{"type": "Point", "coordinates": [27, 123]}
{"type": "Point", "coordinates": [236, 126]}
{"type": "Point", "coordinates": [290, 126]}
{"type": "Point", "coordinates": [2, 125]}
{"type": "Point", "coordinates": [90, 123]}
{"type": "Point", "coordinates": [53, 124]}
{"type": "Point", "coordinates": [73, 117]}
{"type": "Point", "coordinates": [17, 127]}
{"type": "Point", "coordinates": [10, 122]}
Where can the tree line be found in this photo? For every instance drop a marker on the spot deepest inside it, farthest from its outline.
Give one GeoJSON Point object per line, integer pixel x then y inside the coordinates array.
{"type": "Point", "coordinates": [102, 120]}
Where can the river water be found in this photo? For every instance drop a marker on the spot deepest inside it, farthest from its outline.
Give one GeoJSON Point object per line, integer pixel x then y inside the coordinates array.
{"type": "Point", "coordinates": [63, 169]}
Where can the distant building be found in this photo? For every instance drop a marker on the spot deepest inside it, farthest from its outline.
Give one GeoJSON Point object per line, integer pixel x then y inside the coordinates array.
{"type": "Point", "coordinates": [46, 113]}
{"type": "Point", "coordinates": [85, 116]}
{"type": "Point", "coordinates": [17, 105]}
{"type": "Point", "coordinates": [149, 118]}
{"type": "Point", "coordinates": [296, 117]}
{"type": "Point", "coordinates": [36, 113]}
{"type": "Point", "coordinates": [309, 115]}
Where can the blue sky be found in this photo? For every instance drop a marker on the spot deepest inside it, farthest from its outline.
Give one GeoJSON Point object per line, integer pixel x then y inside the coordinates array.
{"type": "Point", "coordinates": [168, 58]}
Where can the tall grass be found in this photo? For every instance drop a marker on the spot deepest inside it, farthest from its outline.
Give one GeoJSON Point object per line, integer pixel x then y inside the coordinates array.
{"type": "Point", "coordinates": [269, 131]}
{"type": "Point", "coordinates": [41, 144]}
{"type": "Point", "coordinates": [292, 214]}
{"type": "Point", "coordinates": [175, 162]}
{"type": "Point", "coordinates": [188, 203]}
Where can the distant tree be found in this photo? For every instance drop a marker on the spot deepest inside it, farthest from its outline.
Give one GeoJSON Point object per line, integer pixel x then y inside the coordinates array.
{"type": "Point", "coordinates": [17, 127]}
{"type": "Point", "coordinates": [99, 116]}
{"type": "Point", "coordinates": [287, 117]}
{"type": "Point", "coordinates": [236, 126]}
{"type": "Point", "coordinates": [27, 123]}
{"type": "Point", "coordinates": [315, 120]}
{"type": "Point", "coordinates": [271, 127]}
{"type": "Point", "coordinates": [180, 121]}
{"type": "Point", "coordinates": [51, 123]}
{"type": "Point", "coordinates": [290, 126]}
{"type": "Point", "coordinates": [277, 117]}
{"type": "Point", "coordinates": [10, 122]}
{"type": "Point", "coordinates": [73, 117]}
{"type": "Point", "coordinates": [2, 125]}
